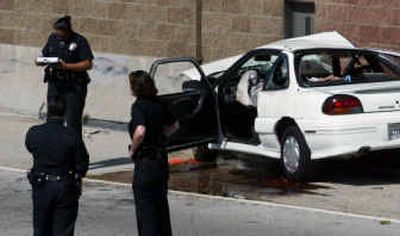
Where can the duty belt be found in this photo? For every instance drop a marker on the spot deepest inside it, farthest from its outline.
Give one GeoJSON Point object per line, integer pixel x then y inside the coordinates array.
{"type": "Point", "coordinates": [43, 177]}
{"type": "Point", "coordinates": [58, 177]}
{"type": "Point", "coordinates": [71, 76]}
{"type": "Point", "coordinates": [151, 153]}
{"type": "Point", "coordinates": [67, 76]}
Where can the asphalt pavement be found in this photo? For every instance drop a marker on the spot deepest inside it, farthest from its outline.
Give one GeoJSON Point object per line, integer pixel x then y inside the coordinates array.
{"type": "Point", "coordinates": [108, 209]}
{"type": "Point", "coordinates": [362, 203]}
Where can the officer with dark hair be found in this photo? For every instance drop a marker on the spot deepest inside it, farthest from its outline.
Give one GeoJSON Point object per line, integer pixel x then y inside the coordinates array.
{"type": "Point", "coordinates": [60, 160]}
{"type": "Point", "coordinates": [151, 123]}
{"type": "Point", "coordinates": [68, 78]}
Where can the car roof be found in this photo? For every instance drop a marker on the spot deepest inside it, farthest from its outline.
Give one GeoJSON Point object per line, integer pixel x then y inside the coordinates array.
{"type": "Point", "coordinates": [321, 40]}
{"type": "Point", "coordinates": [325, 40]}
{"type": "Point", "coordinates": [387, 52]}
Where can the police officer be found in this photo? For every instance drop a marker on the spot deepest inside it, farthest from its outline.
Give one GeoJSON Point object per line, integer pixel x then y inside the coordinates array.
{"type": "Point", "coordinates": [69, 78]}
{"type": "Point", "coordinates": [149, 124]}
{"type": "Point", "coordinates": [60, 160]}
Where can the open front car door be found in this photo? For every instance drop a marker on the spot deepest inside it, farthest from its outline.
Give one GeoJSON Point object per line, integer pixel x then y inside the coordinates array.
{"type": "Point", "coordinates": [185, 90]}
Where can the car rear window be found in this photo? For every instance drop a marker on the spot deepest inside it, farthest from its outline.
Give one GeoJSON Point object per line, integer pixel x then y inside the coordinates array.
{"type": "Point", "coordinates": [328, 68]}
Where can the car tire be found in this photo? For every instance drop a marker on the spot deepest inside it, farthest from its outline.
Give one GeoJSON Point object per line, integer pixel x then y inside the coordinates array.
{"type": "Point", "coordinates": [295, 155]}
{"type": "Point", "coordinates": [204, 154]}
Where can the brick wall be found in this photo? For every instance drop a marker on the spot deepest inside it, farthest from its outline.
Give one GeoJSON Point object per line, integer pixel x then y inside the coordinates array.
{"type": "Point", "coordinates": [148, 27]}
{"type": "Point", "coordinates": [233, 26]}
{"type": "Point", "coordinates": [368, 23]}
{"type": "Point", "coordinates": [136, 27]}
{"type": "Point", "coordinates": [168, 27]}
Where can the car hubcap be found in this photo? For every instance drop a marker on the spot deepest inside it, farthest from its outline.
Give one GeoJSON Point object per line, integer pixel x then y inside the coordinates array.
{"type": "Point", "coordinates": [291, 154]}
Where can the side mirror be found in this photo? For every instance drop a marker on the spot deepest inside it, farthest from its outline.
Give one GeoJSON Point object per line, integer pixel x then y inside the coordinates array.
{"type": "Point", "coordinates": [191, 85]}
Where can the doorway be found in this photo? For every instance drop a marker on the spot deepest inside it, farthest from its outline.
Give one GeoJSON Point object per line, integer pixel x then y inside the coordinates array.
{"type": "Point", "coordinates": [299, 18]}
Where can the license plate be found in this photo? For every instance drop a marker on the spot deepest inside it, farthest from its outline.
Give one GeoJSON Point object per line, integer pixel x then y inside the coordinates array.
{"type": "Point", "coordinates": [394, 131]}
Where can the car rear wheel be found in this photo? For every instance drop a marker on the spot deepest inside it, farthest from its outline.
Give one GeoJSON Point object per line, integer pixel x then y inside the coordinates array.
{"type": "Point", "coordinates": [204, 154]}
{"type": "Point", "coordinates": [295, 154]}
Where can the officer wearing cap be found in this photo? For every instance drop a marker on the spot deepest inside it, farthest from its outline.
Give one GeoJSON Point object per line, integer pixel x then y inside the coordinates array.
{"type": "Point", "coordinates": [60, 160]}
{"type": "Point", "coordinates": [69, 78]}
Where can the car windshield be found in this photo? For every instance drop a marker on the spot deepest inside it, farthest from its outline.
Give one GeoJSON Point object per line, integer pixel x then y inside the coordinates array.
{"type": "Point", "coordinates": [263, 64]}
{"type": "Point", "coordinates": [340, 67]}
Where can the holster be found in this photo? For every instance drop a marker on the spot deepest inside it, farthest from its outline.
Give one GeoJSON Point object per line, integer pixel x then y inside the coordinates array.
{"type": "Point", "coordinates": [78, 186]}
{"type": "Point", "coordinates": [37, 180]}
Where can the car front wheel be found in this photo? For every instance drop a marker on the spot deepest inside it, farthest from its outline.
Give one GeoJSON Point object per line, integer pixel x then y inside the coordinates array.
{"type": "Point", "coordinates": [295, 154]}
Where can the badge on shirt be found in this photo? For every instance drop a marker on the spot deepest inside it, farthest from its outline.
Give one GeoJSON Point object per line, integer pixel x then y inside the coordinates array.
{"type": "Point", "coordinates": [72, 46]}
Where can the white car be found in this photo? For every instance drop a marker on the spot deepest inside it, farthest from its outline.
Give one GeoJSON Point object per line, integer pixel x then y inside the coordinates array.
{"type": "Point", "coordinates": [296, 100]}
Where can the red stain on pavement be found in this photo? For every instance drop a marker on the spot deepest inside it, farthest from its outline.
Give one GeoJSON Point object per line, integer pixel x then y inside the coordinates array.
{"type": "Point", "coordinates": [174, 161]}
{"type": "Point", "coordinates": [288, 186]}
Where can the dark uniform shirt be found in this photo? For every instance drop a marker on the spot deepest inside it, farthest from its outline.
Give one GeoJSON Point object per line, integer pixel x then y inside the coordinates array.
{"type": "Point", "coordinates": [73, 49]}
{"type": "Point", "coordinates": [150, 179]}
{"type": "Point", "coordinates": [56, 149]}
{"type": "Point", "coordinates": [154, 116]}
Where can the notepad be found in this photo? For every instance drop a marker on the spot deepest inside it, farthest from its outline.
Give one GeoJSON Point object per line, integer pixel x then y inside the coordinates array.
{"type": "Point", "coordinates": [48, 60]}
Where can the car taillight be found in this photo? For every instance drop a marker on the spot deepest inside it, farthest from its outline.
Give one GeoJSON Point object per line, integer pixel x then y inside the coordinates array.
{"type": "Point", "coordinates": [342, 105]}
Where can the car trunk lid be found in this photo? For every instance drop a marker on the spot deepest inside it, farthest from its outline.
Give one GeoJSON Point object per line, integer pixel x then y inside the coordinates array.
{"type": "Point", "coordinates": [379, 97]}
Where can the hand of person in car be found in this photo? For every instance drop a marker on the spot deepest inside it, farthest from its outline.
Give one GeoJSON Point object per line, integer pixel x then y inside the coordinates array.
{"type": "Point", "coordinates": [325, 79]}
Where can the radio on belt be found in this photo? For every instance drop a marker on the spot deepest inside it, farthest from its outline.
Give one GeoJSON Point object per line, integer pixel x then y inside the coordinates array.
{"type": "Point", "coordinates": [48, 60]}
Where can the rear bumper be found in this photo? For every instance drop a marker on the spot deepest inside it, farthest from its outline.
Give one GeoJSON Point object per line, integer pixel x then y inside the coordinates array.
{"type": "Point", "coordinates": [352, 134]}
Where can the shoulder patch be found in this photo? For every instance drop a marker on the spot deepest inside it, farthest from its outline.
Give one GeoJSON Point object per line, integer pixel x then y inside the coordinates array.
{"type": "Point", "coordinates": [72, 46]}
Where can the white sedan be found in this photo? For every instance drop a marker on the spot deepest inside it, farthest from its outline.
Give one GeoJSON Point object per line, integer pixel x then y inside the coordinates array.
{"type": "Point", "coordinates": [296, 100]}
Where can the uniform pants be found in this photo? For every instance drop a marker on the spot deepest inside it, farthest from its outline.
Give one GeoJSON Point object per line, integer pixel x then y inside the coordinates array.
{"type": "Point", "coordinates": [150, 187]}
{"type": "Point", "coordinates": [55, 209]}
{"type": "Point", "coordinates": [75, 96]}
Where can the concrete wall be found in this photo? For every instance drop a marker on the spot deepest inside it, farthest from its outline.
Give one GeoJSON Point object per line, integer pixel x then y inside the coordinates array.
{"type": "Point", "coordinates": [368, 23]}
{"type": "Point", "coordinates": [22, 89]}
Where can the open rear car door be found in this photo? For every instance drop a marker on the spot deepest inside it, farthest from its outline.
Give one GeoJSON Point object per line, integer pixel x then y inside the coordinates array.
{"type": "Point", "coordinates": [185, 90]}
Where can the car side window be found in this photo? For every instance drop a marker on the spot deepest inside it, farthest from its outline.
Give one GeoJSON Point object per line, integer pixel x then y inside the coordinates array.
{"type": "Point", "coordinates": [177, 77]}
{"type": "Point", "coordinates": [262, 63]}
{"type": "Point", "coordinates": [280, 76]}
{"type": "Point", "coordinates": [248, 79]}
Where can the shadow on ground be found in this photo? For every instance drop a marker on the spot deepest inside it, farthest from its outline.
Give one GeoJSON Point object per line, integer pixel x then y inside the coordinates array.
{"type": "Point", "coordinates": [110, 163]}
{"type": "Point", "coordinates": [255, 178]}
{"type": "Point", "coordinates": [379, 168]}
